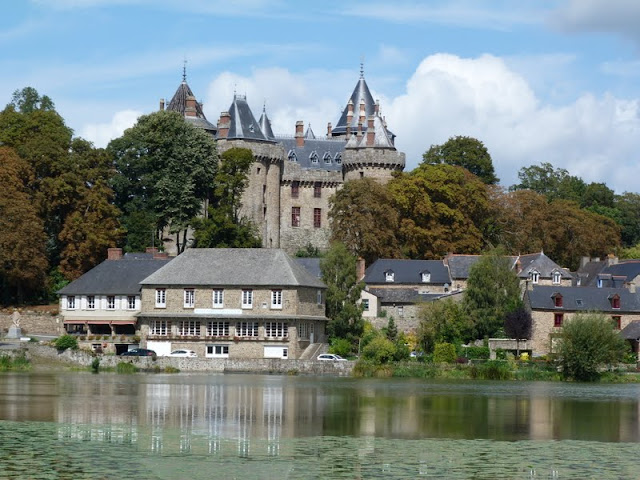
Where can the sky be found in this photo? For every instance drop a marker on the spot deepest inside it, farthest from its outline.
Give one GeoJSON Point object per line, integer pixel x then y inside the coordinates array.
{"type": "Point", "coordinates": [536, 81]}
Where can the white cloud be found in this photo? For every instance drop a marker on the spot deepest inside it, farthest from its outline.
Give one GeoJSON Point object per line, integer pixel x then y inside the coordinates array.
{"type": "Point", "coordinates": [102, 133]}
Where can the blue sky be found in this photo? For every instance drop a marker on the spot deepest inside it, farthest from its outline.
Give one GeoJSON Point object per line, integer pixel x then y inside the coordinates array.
{"type": "Point", "coordinates": [536, 80]}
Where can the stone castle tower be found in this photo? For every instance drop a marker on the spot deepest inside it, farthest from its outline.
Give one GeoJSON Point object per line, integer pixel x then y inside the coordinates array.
{"type": "Point", "coordinates": [293, 177]}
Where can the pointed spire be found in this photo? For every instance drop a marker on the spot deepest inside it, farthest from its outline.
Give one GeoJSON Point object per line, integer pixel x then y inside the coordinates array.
{"type": "Point", "coordinates": [184, 71]}
{"type": "Point", "coordinates": [265, 123]}
{"type": "Point", "coordinates": [362, 66]}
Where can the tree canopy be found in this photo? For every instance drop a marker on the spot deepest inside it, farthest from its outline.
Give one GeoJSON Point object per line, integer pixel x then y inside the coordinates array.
{"type": "Point", "coordinates": [465, 152]}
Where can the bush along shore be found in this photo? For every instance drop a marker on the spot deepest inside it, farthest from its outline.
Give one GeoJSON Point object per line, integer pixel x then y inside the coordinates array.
{"type": "Point", "coordinates": [18, 362]}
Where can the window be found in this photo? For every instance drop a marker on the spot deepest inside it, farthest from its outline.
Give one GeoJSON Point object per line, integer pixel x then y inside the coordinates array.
{"type": "Point", "coordinates": [327, 158]}
{"type": "Point", "coordinates": [617, 321]}
{"type": "Point", "coordinates": [131, 302]}
{"type": "Point", "coordinates": [160, 327]}
{"type": "Point", "coordinates": [317, 217]}
{"type": "Point", "coordinates": [314, 157]}
{"type": "Point", "coordinates": [295, 216]}
{"type": "Point", "coordinates": [558, 300]}
{"type": "Point", "coordinates": [246, 329]}
{"type": "Point", "coordinates": [111, 302]}
{"type": "Point", "coordinates": [615, 301]}
{"type": "Point", "coordinates": [161, 297]}
{"type": "Point", "coordinates": [557, 276]}
{"type": "Point", "coordinates": [276, 298]}
{"type": "Point", "coordinates": [400, 310]}
{"type": "Point", "coordinates": [319, 297]}
{"type": "Point", "coordinates": [600, 283]}
{"type": "Point", "coordinates": [247, 298]}
{"type": "Point", "coordinates": [426, 277]}
{"type": "Point", "coordinates": [276, 329]}
{"type": "Point", "coordinates": [579, 302]}
{"type": "Point", "coordinates": [71, 303]}
{"type": "Point", "coordinates": [389, 276]}
{"type": "Point", "coordinates": [189, 328]}
{"type": "Point", "coordinates": [295, 189]}
{"type": "Point", "coordinates": [218, 298]}
{"type": "Point", "coordinates": [557, 319]}
{"type": "Point", "coordinates": [535, 276]}
{"type": "Point", "coordinates": [338, 158]}
{"type": "Point", "coordinates": [91, 302]}
{"type": "Point", "coordinates": [292, 156]}
{"type": "Point", "coordinates": [221, 351]}
{"type": "Point", "coordinates": [317, 190]}
{"type": "Point", "coordinates": [365, 304]}
{"type": "Point", "coordinates": [303, 331]}
{"type": "Point", "coordinates": [218, 329]}
{"type": "Point", "coordinates": [189, 297]}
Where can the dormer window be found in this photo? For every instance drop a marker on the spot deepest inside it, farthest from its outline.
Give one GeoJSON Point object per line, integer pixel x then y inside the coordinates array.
{"type": "Point", "coordinates": [338, 158]}
{"type": "Point", "coordinates": [292, 156]}
{"type": "Point", "coordinates": [535, 277]}
{"type": "Point", "coordinates": [426, 277]}
{"type": "Point", "coordinates": [600, 282]}
{"type": "Point", "coordinates": [327, 158]}
{"type": "Point", "coordinates": [556, 277]}
{"type": "Point", "coordinates": [615, 301]}
{"type": "Point", "coordinates": [557, 300]}
{"type": "Point", "coordinates": [314, 157]}
{"type": "Point", "coordinates": [389, 276]}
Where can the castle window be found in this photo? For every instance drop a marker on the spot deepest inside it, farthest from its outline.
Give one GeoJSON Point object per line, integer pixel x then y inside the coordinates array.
{"type": "Point", "coordinates": [338, 158]}
{"type": "Point", "coordinates": [327, 158]}
{"type": "Point", "coordinates": [314, 157]}
{"type": "Point", "coordinates": [317, 217]}
{"type": "Point", "coordinates": [317, 190]}
{"type": "Point", "coordinates": [295, 216]}
{"type": "Point", "coordinates": [292, 156]}
{"type": "Point", "coordinates": [295, 189]}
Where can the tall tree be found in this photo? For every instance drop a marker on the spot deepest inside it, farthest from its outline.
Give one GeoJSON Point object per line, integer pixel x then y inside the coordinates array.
{"type": "Point", "coordinates": [465, 152]}
{"type": "Point", "coordinates": [551, 182]}
{"type": "Point", "coordinates": [493, 290]}
{"type": "Point", "coordinates": [443, 321]}
{"type": "Point", "coordinates": [628, 204]}
{"type": "Point", "coordinates": [364, 220]}
{"type": "Point", "coordinates": [165, 167]}
{"type": "Point", "coordinates": [442, 208]}
{"type": "Point", "coordinates": [343, 294]}
{"type": "Point", "coordinates": [23, 259]}
{"type": "Point", "coordinates": [28, 100]}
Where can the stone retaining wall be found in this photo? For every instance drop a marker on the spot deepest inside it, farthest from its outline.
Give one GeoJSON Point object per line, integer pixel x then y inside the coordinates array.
{"type": "Point", "coordinates": [33, 323]}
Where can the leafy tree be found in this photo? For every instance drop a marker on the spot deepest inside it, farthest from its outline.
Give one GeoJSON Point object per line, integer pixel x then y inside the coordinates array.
{"type": "Point", "coordinates": [391, 331]}
{"type": "Point", "coordinates": [597, 194]}
{"type": "Point", "coordinates": [444, 353]}
{"type": "Point", "coordinates": [231, 179]}
{"type": "Point", "coordinates": [443, 208]}
{"type": "Point", "coordinates": [628, 204]}
{"type": "Point", "coordinates": [23, 259]}
{"type": "Point", "coordinates": [364, 220]}
{"type": "Point", "coordinates": [493, 290]}
{"type": "Point", "coordinates": [379, 350]}
{"type": "Point", "coordinates": [28, 100]}
{"type": "Point", "coordinates": [588, 342]}
{"type": "Point", "coordinates": [165, 167]}
{"type": "Point", "coordinates": [465, 152]}
{"type": "Point", "coordinates": [219, 230]}
{"type": "Point", "coordinates": [343, 294]}
{"type": "Point", "coordinates": [442, 321]}
{"type": "Point", "coordinates": [66, 341]}
{"type": "Point", "coordinates": [551, 182]}
{"type": "Point", "coordinates": [518, 324]}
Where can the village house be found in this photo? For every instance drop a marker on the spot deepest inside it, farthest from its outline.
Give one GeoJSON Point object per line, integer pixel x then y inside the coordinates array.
{"type": "Point", "coordinates": [101, 306]}
{"type": "Point", "coordinates": [234, 303]}
{"type": "Point", "coordinates": [608, 273]}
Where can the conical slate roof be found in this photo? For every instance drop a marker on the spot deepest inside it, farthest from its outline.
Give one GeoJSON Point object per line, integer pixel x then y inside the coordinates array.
{"type": "Point", "coordinates": [309, 133]}
{"type": "Point", "coordinates": [178, 104]}
{"type": "Point", "coordinates": [243, 124]}
{"type": "Point", "coordinates": [361, 92]}
{"type": "Point", "coordinates": [265, 125]}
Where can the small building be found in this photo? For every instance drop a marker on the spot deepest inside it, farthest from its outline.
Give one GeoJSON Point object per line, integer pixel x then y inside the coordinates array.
{"type": "Point", "coordinates": [233, 303]}
{"type": "Point", "coordinates": [610, 273]}
{"type": "Point", "coordinates": [100, 307]}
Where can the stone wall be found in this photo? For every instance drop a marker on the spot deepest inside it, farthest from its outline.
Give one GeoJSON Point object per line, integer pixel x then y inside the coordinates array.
{"type": "Point", "coordinates": [377, 163]}
{"type": "Point", "coordinates": [33, 323]}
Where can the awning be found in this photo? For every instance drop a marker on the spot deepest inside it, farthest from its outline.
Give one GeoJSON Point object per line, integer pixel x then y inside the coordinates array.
{"type": "Point", "coordinates": [79, 321]}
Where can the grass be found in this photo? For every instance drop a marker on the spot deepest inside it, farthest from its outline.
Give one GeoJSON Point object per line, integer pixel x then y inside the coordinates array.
{"type": "Point", "coordinates": [17, 363]}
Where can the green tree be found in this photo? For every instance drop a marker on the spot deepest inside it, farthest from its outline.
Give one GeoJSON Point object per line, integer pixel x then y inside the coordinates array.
{"type": "Point", "coordinates": [28, 100]}
{"type": "Point", "coordinates": [551, 182]}
{"type": "Point", "coordinates": [391, 331]}
{"type": "Point", "coordinates": [493, 290]}
{"type": "Point", "coordinates": [343, 294]}
{"type": "Point", "coordinates": [442, 321]}
{"type": "Point", "coordinates": [442, 208]}
{"type": "Point", "coordinates": [628, 204]}
{"type": "Point", "coordinates": [518, 324]}
{"type": "Point", "coordinates": [166, 167]}
{"type": "Point", "coordinates": [465, 152]}
{"type": "Point", "coordinates": [379, 350]}
{"type": "Point", "coordinates": [587, 343]}
{"type": "Point", "coordinates": [364, 220]}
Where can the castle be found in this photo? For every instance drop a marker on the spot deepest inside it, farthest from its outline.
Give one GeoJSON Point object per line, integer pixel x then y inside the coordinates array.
{"type": "Point", "coordinates": [293, 177]}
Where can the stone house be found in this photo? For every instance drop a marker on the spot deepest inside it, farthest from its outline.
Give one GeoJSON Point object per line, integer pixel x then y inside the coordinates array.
{"type": "Point", "coordinates": [293, 176]}
{"type": "Point", "coordinates": [101, 306]}
{"type": "Point", "coordinates": [608, 273]}
{"type": "Point", "coordinates": [552, 306]}
{"type": "Point", "coordinates": [234, 303]}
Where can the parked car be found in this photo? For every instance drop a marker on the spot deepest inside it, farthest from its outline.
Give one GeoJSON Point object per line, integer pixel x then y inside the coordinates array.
{"type": "Point", "coordinates": [183, 353]}
{"type": "Point", "coordinates": [331, 357]}
{"type": "Point", "coordinates": [138, 352]}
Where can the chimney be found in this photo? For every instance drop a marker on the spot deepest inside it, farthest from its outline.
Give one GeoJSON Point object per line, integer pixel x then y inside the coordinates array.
{"type": "Point", "coordinates": [349, 112]}
{"type": "Point", "coordinates": [360, 268]}
{"type": "Point", "coordinates": [632, 287]}
{"type": "Point", "coordinates": [114, 253]}
{"type": "Point", "coordinates": [371, 133]}
{"type": "Point", "coordinates": [190, 109]}
{"type": "Point", "coordinates": [224, 124]}
{"type": "Point", "coordinates": [329, 129]}
{"type": "Point", "coordinates": [363, 114]}
{"type": "Point", "coordinates": [584, 261]}
{"type": "Point", "coordinates": [359, 130]}
{"type": "Point", "coordinates": [161, 104]}
{"type": "Point", "coordinates": [611, 260]}
{"type": "Point", "coordinates": [376, 109]}
{"type": "Point", "coordinates": [299, 134]}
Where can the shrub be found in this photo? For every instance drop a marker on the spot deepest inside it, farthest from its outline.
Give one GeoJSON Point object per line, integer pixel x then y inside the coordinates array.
{"type": "Point", "coordinates": [379, 350]}
{"type": "Point", "coordinates": [341, 346]}
{"type": "Point", "coordinates": [171, 370]}
{"type": "Point", "coordinates": [125, 367]}
{"type": "Point", "coordinates": [491, 370]}
{"type": "Point", "coordinates": [444, 353]}
{"type": "Point", "coordinates": [587, 343]}
{"type": "Point", "coordinates": [95, 365]}
{"type": "Point", "coordinates": [66, 341]}
{"type": "Point", "coordinates": [477, 353]}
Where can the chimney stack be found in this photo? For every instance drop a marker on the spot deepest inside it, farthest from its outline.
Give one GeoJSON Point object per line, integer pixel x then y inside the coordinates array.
{"type": "Point", "coordinates": [299, 134]}
{"type": "Point", "coordinates": [161, 104]}
{"type": "Point", "coordinates": [363, 113]}
{"type": "Point", "coordinates": [224, 124]}
{"type": "Point", "coordinates": [632, 287]}
{"type": "Point", "coordinates": [376, 109]}
{"type": "Point", "coordinates": [114, 253]}
{"type": "Point", "coordinates": [371, 133]}
{"type": "Point", "coordinates": [190, 110]}
{"type": "Point", "coordinates": [329, 129]}
{"type": "Point", "coordinates": [360, 269]}
{"type": "Point", "coordinates": [349, 113]}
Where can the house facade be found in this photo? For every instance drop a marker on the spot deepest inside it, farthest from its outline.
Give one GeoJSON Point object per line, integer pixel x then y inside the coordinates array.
{"type": "Point", "coordinates": [233, 303]}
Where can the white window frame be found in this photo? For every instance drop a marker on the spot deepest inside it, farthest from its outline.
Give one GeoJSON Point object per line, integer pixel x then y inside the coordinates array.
{"type": "Point", "coordinates": [130, 305]}
{"type": "Point", "coordinates": [276, 329]}
{"type": "Point", "coordinates": [276, 299]}
{"type": "Point", "coordinates": [111, 302]}
{"type": "Point", "coordinates": [160, 327]}
{"type": "Point", "coordinates": [426, 277]}
{"type": "Point", "coordinates": [217, 328]}
{"type": "Point", "coordinates": [401, 310]}
{"type": "Point", "coordinates": [556, 278]}
{"type": "Point", "coordinates": [247, 298]}
{"type": "Point", "coordinates": [71, 302]}
{"type": "Point", "coordinates": [365, 304]}
{"type": "Point", "coordinates": [189, 328]}
{"type": "Point", "coordinates": [247, 329]}
{"type": "Point", "coordinates": [319, 297]}
{"type": "Point", "coordinates": [535, 277]}
{"type": "Point", "coordinates": [217, 298]}
{"type": "Point", "coordinates": [161, 298]}
{"type": "Point", "coordinates": [189, 298]}
{"type": "Point", "coordinates": [217, 351]}
{"type": "Point", "coordinates": [91, 302]}
{"type": "Point", "coordinates": [389, 276]}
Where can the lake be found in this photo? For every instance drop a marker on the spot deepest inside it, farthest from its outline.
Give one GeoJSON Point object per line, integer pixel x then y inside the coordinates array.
{"type": "Point", "coordinates": [76, 425]}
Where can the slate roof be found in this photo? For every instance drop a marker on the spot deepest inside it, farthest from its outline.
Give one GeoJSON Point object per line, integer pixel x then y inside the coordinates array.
{"type": "Point", "coordinates": [178, 104]}
{"type": "Point", "coordinates": [460, 265]}
{"type": "Point", "coordinates": [407, 272]}
{"type": "Point", "coordinates": [116, 277]}
{"type": "Point", "coordinates": [234, 267]}
{"type": "Point", "coordinates": [360, 92]}
{"type": "Point", "coordinates": [631, 331]}
{"type": "Point", "coordinates": [626, 271]}
{"type": "Point", "coordinates": [265, 125]}
{"type": "Point", "coordinates": [318, 148]}
{"type": "Point", "coordinates": [541, 263]}
{"type": "Point", "coordinates": [588, 272]}
{"type": "Point", "coordinates": [582, 299]}
{"type": "Point", "coordinates": [311, 265]}
{"type": "Point", "coordinates": [403, 295]}
{"type": "Point", "coordinates": [243, 124]}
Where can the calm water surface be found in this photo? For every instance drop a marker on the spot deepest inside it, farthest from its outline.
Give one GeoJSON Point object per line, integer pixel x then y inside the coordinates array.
{"type": "Point", "coordinates": [146, 426]}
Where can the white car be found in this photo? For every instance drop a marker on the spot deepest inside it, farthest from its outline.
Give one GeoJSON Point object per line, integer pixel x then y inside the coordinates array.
{"type": "Point", "coordinates": [331, 357]}
{"type": "Point", "coordinates": [183, 353]}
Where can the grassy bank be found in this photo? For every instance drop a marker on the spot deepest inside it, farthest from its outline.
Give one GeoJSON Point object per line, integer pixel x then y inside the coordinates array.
{"type": "Point", "coordinates": [17, 363]}
{"type": "Point", "coordinates": [489, 370]}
